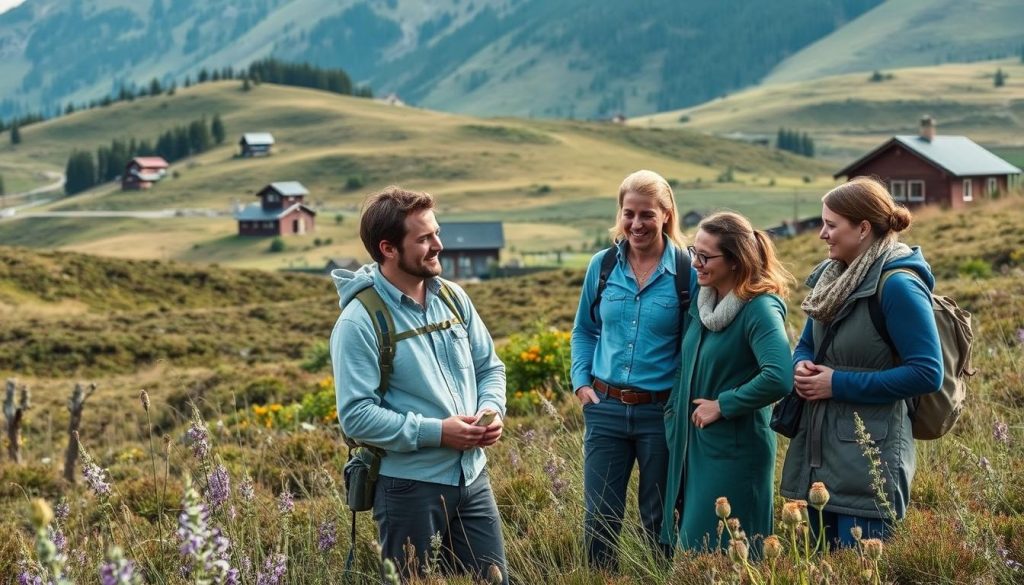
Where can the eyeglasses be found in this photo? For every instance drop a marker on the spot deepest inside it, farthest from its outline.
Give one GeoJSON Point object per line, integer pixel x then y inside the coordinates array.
{"type": "Point", "coordinates": [702, 258]}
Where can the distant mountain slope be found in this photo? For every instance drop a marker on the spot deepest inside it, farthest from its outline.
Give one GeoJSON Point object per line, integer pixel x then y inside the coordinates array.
{"type": "Point", "coordinates": [847, 114]}
{"type": "Point", "coordinates": [571, 58]}
{"type": "Point", "coordinates": [911, 33]}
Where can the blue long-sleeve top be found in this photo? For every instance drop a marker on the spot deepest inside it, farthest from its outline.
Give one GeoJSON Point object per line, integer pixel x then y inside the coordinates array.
{"type": "Point", "coordinates": [634, 342]}
{"type": "Point", "coordinates": [907, 307]}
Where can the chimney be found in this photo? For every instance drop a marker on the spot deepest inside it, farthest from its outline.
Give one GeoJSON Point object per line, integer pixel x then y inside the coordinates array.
{"type": "Point", "coordinates": [927, 128]}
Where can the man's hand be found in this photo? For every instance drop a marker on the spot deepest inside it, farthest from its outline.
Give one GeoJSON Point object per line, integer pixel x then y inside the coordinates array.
{"type": "Point", "coordinates": [458, 432]}
{"type": "Point", "coordinates": [492, 431]}
{"type": "Point", "coordinates": [586, 395]}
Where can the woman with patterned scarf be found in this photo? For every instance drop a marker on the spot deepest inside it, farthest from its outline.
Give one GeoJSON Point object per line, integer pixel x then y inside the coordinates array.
{"type": "Point", "coordinates": [844, 367]}
{"type": "Point", "coordinates": [736, 362]}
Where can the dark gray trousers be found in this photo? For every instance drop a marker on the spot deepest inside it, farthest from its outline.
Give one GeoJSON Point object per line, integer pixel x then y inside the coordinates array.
{"type": "Point", "coordinates": [466, 519]}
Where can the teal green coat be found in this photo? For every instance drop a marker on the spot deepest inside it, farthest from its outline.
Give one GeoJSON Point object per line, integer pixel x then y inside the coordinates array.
{"type": "Point", "coordinates": [746, 367]}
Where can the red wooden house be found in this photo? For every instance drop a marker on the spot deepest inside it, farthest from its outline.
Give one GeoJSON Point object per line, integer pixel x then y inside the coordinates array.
{"type": "Point", "coordinates": [929, 169]}
{"type": "Point", "coordinates": [142, 171]}
{"type": "Point", "coordinates": [280, 212]}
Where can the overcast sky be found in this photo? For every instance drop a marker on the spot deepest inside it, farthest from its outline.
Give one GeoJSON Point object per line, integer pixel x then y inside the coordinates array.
{"type": "Point", "coordinates": [6, 5]}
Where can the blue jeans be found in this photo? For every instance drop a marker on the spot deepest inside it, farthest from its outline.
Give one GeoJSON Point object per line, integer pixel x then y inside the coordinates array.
{"type": "Point", "coordinates": [837, 528]}
{"type": "Point", "coordinates": [466, 518]}
{"type": "Point", "coordinates": [618, 435]}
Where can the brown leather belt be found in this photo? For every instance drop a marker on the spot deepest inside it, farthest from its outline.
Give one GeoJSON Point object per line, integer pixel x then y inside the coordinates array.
{"type": "Point", "coordinates": [631, 396]}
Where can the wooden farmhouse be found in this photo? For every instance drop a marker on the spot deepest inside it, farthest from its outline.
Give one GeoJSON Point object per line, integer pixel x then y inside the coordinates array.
{"type": "Point", "coordinates": [256, 144]}
{"type": "Point", "coordinates": [935, 169]}
{"type": "Point", "coordinates": [280, 212]}
{"type": "Point", "coordinates": [142, 172]}
{"type": "Point", "coordinates": [470, 248]}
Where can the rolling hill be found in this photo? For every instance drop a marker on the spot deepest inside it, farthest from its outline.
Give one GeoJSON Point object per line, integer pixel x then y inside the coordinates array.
{"type": "Point", "coordinates": [553, 183]}
{"type": "Point", "coordinates": [848, 114]}
{"type": "Point", "coordinates": [910, 33]}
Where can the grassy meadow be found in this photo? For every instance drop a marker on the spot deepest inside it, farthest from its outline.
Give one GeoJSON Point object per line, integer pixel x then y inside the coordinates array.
{"type": "Point", "coordinates": [849, 114]}
{"type": "Point", "coordinates": [237, 356]}
{"type": "Point", "coordinates": [533, 175]}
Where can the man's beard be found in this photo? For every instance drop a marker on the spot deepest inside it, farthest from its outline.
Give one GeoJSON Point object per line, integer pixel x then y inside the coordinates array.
{"type": "Point", "coordinates": [407, 265]}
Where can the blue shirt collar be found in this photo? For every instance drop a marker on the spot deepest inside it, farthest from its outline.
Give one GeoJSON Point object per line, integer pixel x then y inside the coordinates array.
{"type": "Point", "coordinates": [668, 256]}
{"type": "Point", "coordinates": [397, 297]}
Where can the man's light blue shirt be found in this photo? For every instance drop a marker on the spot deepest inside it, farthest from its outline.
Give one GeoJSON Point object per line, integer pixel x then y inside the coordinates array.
{"type": "Point", "coordinates": [436, 375]}
{"type": "Point", "coordinates": [635, 342]}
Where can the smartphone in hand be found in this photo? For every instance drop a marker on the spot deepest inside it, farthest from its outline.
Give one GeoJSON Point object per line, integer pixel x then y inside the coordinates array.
{"type": "Point", "coordinates": [486, 418]}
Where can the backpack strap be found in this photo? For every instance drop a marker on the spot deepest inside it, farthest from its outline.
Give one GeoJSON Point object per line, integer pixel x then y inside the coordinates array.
{"type": "Point", "coordinates": [384, 327]}
{"type": "Point", "coordinates": [875, 308]}
{"type": "Point", "coordinates": [607, 265]}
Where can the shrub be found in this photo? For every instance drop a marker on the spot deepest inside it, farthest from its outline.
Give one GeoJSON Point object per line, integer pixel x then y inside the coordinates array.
{"type": "Point", "coordinates": [318, 357]}
{"type": "Point", "coordinates": [976, 268]}
{"type": "Point", "coordinates": [353, 183]}
{"type": "Point", "coordinates": [276, 245]}
{"type": "Point", "coordinates": [537, 362]}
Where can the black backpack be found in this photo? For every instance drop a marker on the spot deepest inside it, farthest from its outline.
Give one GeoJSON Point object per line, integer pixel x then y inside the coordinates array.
{"type": "Point", "coordinates": [682, 279]}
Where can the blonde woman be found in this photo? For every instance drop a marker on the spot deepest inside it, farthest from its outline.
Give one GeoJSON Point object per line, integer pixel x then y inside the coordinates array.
{"type": "Point", "coordinates": [736, 363]}
{"type": "Point", "coordinates": [625, 352]}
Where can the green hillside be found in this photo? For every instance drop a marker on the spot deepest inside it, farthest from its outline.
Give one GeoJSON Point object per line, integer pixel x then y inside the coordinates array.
{"type": "Point", "coordinates": [910, 33]}
{"type": "Point", "coordinates": [572, 58]}
{"type": "Point", "coordinates": [553, 183]}
{"type": "Point", "coordinates": [848, 114]}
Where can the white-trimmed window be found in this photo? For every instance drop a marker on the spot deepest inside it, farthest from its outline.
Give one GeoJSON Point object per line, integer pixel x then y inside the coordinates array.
{"type": "Point", "coordinates": [915, 190]}
{"type": "Point", "coordinates": [898, 190]}
{"type": "Point", "coordinates": [967, 190]}
{"type": "Point", "coordinates": [271, 198]}
{"type": "Point", "coordinates": [991, 186]}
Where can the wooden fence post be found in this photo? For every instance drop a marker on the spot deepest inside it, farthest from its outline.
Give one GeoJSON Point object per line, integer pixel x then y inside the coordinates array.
{"type": "Point", "coordinates": [14, 412]}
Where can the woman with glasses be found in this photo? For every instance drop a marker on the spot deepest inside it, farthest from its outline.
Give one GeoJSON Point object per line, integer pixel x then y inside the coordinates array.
{"type": "Point", "coordinates": [869, 277]}
{"type": "Point", "coordinates": [736, 363]}
{"type": "Point", "coordinates": [625, 353]}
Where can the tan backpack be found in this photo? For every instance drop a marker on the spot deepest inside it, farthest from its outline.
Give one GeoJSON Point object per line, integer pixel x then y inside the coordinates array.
{"type": "Point", "coordinates": [934, 414]}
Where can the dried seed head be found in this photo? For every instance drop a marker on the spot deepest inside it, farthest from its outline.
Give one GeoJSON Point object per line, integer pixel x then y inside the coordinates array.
{"type": "Point", "coordinates": [494, 575]}
{"type": "Point", "coordinates": [722, 508]}
{"type": "Point", "coordinates": [733, 524]}
{"type": "Point", "coordinates": [42, 514]}
{"type": "Point", "coordinates": [873, 548]}
{"type": "Point", "coordinates": [772, 547]}
{"type": "Point", "coordinates": [144, 397]}
{"type": "Point", "coordinates": [791, 515]}
{"type": "Point", "coordinates": [738, 551]}
{"type": "Point", "coordinates": [856, 532]}
{"type": "Point", "coordinates": [818, 496]}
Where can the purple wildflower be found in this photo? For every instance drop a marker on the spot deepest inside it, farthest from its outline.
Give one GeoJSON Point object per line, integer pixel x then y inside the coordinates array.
{"type": "Point", "coordinates": [25, 577]}
{"type": "Point", "coordinates": [61, 511]}
{"type": "Point", "coordinates": [326, 536]}
{"type": "Point", "coordinates": [1020, 335]}
{"type": "Point", "coordinates": [285, 503]}
{"type": "Point", "coordinates": [984, 463]}
{"type": "Point", "coordinates": [529, 436]}
{"type": "Point", "coordinates": [1010, 563]}
{"type": "Point", "coordinates": [553, 468]}
{"type": "Point", "coordinates": [95, 477]}
{"type": "Point", "coordinates": [118, 571]}
{"type": "Point", "coordinates": [246, 489]}
{"type": "Point", "coordinates": [205, 549]}
{"type": "Point", "coordinates": [59, 540]}
{"type": "Point", "coordinates": [1001, 432]}
{"type": "Point", "coordinates": [199, 437]}
{"type": "Point", "coordinates": [219, 487]}
{"type": "Point", "coordinates": [273, 569]}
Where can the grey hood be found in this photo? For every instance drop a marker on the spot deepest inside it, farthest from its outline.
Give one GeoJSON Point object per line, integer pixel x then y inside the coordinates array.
{"type": "Point", "coordinates": [349, 283]}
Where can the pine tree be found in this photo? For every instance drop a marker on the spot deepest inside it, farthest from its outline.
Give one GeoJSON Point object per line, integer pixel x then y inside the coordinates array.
{"type": "Point", "coordinates": [198, 137]}
{"type": "Point", "coordinates": [155, 88]}
{"type": "Point", "coordinates": [80, 172]}
{"type": "Point", "coordinates": [15, 134]}
{"type": "Point", "coordinates": [246, 86]}
{"type": "Point", "coordinates": [217, 129]}
{"type": "Point", "coordinates": [1000, 78]}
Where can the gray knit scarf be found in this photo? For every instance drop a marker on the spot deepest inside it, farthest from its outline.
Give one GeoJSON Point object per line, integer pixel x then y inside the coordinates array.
{"type": "Point", "coordinates": [717, 315]}
{"type": "Point", "coordinates": [838, 280]}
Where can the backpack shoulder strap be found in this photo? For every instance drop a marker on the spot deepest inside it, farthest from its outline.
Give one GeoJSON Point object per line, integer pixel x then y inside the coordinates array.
{"type": "Point", "coordinates": [607, 265]}
{"type": "Point", "coordinates": [875, 307]}
{"type": "Point", "coordinates": [384, 327]}
{"type": "Point", "coordinates": [683, 279]}
{"type": "Point", "coordinates": [451, 299]}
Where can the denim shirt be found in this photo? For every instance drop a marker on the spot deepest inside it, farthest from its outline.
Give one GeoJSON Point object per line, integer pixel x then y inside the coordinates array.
{"type": "Point", "coordinates": [436, 375]}
{"type": "Point", "coordinates": [635, 342]}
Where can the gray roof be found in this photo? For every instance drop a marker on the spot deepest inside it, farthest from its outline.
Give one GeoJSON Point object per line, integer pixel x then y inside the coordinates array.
{"type": "Point", "coordinates": [257, 138]}
{"type": "Point", "coordinates": [958, 155]}
{"type": "Point", "coordinates": [255, 212]}
{"type": "Point", "coordinates": [286, 189]}
{"type": "Point", "coordinates": [472, 235]}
